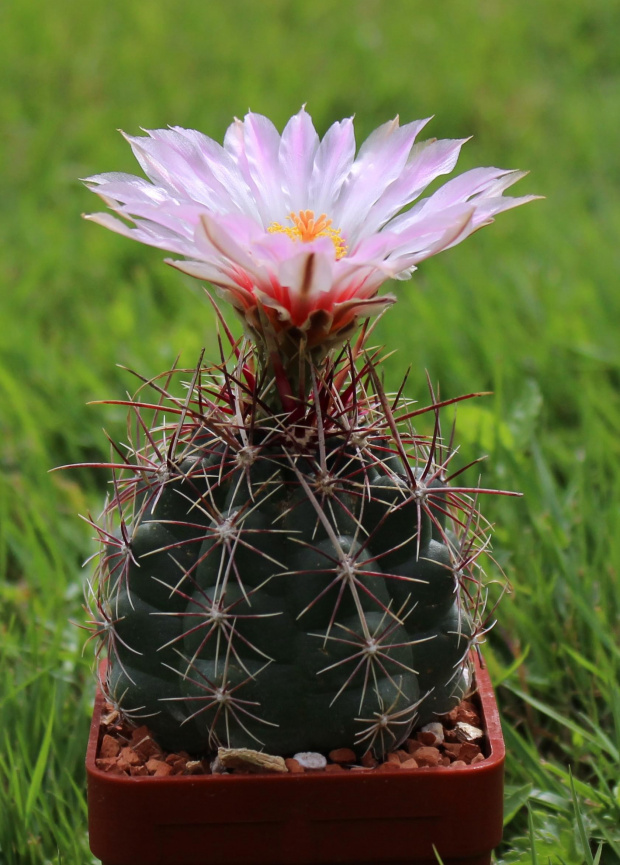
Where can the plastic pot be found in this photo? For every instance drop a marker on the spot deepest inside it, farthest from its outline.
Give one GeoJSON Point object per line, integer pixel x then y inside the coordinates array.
{"type": "Point", "coordinates": [397, 816]}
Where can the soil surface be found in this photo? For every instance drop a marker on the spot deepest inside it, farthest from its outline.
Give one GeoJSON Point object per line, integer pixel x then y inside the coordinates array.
{"type": "Point", "coordinates": [453, 741]}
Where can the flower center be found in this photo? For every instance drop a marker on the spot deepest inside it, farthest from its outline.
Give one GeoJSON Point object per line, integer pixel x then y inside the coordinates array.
{"type": "Point", "coordinates": [306, 227]}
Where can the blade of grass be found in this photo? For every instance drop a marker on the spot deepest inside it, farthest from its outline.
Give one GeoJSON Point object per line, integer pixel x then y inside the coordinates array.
{"type": "Point", "coordinates": [515, 798]}
{"type": "Point", "coordinates": [41, 763]}
{"type": "Point", "coordinates": [583, 837]}
{"type": "Point", "coordinates": [530, 820]}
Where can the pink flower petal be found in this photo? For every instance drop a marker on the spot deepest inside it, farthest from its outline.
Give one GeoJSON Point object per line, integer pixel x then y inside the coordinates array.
{"type": "Point", "coordinates": [429, 237]}
{"type": "Point", "coordinates": [380, 161]}
{"type": "Point", "coordinates": [261, 144]}
{"type": "Point", "coordinates": [212, 235]}
{"type": "Point", "coordinates": [306, 275]}
{"type": "Point", "coordinates": [205, 271]}
{"type": "Point", "coordinates": [298, 147]}
{"type": "Point", "coordinates": [477, 181]}
{"type": "Point", "coordinates": [209, 159]}
{"type": "Point", "coordinates": [332, 164]}
{"type": "Point", "coordinates": [427, 161]}
{"type": "Point", "coordinates": [149, 233]}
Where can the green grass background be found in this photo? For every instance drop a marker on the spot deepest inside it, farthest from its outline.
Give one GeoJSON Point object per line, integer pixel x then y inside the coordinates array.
{"type": "Point", "coordinates": [528, 308]}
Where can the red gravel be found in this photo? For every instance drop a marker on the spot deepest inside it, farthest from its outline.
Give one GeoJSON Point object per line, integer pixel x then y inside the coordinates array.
{"type": "Point", "coordinates": [132, 751]}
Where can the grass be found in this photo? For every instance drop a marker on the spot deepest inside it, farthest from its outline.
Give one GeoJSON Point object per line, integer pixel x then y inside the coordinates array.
{"type": "Point", "coordinates": [528, 308]}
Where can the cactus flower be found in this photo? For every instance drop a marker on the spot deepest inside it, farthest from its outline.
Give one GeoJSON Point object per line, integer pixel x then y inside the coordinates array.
{"type": "Point", "coordinates": [298, 233]}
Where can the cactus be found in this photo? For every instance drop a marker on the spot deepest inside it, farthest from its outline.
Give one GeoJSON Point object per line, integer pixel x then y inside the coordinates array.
{"type": "Point", "coordinates": [305, 585]}
{"type": "Point", "coordinates": [285, 563]}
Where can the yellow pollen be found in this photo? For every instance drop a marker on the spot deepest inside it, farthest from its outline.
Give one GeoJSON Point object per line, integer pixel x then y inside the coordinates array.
{"type": "Point", "coordinates": [306, 228]}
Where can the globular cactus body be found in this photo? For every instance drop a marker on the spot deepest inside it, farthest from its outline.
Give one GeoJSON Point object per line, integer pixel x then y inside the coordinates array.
{"type": "Point", "coordinates": [292, 586]}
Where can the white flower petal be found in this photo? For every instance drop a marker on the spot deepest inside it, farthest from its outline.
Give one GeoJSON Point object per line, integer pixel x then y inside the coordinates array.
{"type": "Point", "coordinates": [298, 146]}
{"type": "Point", "coordinates": [477, 181]}
{"type": "Point", "coordinates": [261, 144]}
{"type": "Point", "coordinates": [156, 162]}
{"type": "Point", "coordinates": [306, 275]}
{"type": "Point", "coordinates": [427, 161]}
{"type": "Point", "coordinates": [212, 235]}
{"type": "Point", "coordinates": [487, 209]}
{"type": "Point", "coordinates": [431, 236]}
{"type": "Point", "coordinates": [380, 161]}
{"type": "Point", "coordinates": [203, 270]}
{"type": "Point", "coordinates": [208, 158]}
{"type": "Point", "coordinates": [332, 164]}
{"type": "Point", "coordinates": [359, 279]}
{"type": "Point", "coordinates": [145, 232]}
{"type": "Point", "coordinates": [126, 188]}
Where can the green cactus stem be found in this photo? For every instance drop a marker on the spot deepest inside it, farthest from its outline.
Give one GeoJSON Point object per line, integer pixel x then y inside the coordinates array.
{"type": "Point", "coordinates": [286, 571]}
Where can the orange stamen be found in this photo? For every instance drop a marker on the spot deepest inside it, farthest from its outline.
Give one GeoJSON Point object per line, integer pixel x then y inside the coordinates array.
{"type": "Point", "coordinates": [306, 228]}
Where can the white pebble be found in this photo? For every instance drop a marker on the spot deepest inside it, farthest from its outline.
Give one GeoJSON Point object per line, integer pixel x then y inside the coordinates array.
{"type": "Point", "coordinates": [311, 760]}
{"type": "Point", "coordinates": [436, 729]}
{"type": "Point", "coordinates": [217, 767]}
{"type": "Point", "coordinates": [467, 732]}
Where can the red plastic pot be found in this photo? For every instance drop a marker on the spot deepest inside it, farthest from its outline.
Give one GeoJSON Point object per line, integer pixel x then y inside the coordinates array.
{"type": "Point", "coordinates": [395, 817]}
